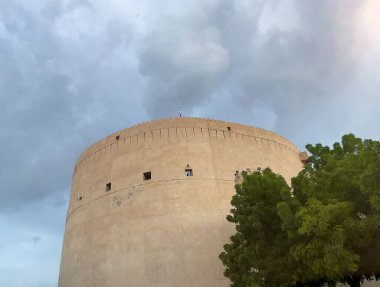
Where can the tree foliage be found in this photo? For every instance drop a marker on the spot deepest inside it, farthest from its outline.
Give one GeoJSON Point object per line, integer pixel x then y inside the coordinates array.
{"type": "Point", "coordinates": [324, 229]}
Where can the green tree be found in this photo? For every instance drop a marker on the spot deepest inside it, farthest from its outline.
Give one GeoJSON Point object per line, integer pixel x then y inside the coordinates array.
{"type": "Point", "coordinates": [324, 229]}
{"type": "Point", "coordinates": [348, 174]}
{"type": "Point", "coordinates": [258, 252]}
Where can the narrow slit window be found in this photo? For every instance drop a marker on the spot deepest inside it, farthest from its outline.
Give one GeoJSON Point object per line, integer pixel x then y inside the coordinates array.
{"type": "Point", "coordinates": [117, 137]}
{"type": "Point", "coordinates": [229, 129]}
{"type": "Point", "coordinates": [147, 175]}
{"type": "Point", "coordinates": [188, 172]}
{"type": "Point", "coordinates": [108, 186]}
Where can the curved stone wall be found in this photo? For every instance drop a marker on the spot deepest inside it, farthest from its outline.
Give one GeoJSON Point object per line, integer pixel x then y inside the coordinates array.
{"type": "Point", "coordinates": [124, 230]}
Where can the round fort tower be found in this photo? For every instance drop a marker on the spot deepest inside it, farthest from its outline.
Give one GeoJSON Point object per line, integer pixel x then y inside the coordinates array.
{"type": "Point", "coordinates": [148, 204]}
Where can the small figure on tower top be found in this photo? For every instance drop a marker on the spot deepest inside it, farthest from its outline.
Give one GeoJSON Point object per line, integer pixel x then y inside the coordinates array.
{"type": "Point", "coordinates": [180, 113]}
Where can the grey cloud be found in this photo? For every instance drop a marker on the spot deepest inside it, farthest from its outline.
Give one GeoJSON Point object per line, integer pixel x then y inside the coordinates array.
{"type": "Point", "coordinates": [60, 91]}
{"type": "Point", "coordinates": [295, 73]}
{"type": "Point", "coordinates": [186, 59]}
{"type": "Point", "coordinates": [302, 72]}
{"type": "Point", "coordinates": [182, 61]}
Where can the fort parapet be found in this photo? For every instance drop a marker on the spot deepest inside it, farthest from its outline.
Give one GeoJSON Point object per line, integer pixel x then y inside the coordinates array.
{"type": "Point", "coordinates": [148, 203]}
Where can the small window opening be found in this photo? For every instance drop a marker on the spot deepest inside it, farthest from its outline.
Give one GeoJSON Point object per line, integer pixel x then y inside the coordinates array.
{"type": "Point", "coordinates": [108, 186]}
{"type": "Point", "coordinates": [147, 175]}
{"type": "Point", "coordinates": [237, 177]}
{"type": "Point", "coordinates": [80, 197]}
{"type": "Point", "coordinates": [188, 172]}
{"type": "Point", "coordinates": [117, 137]}
{"type": "Point", "coordinates": [229, 129]}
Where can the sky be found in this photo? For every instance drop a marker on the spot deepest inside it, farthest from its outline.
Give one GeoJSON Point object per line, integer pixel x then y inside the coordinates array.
{"type": "Point", "coordinates": [74, 71]}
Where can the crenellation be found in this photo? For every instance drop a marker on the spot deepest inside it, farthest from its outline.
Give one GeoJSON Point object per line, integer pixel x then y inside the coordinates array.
{"type": "Point", "coordinates": [170, 121]}
{"type": "Point", "coordinates": [198, 134]}
{"type": "Point", "coordinates": [165, 135]}
{"type": "Point", "coordinates": [205, 134]}
{"type": "Point", "coordinates": [134, 140]}
{"type": "Point", "coordinates": [172, 135]}
{"type": "Point", "coordinates": [181, 135]}
{"type": "Point", "coordinates": [156, 136]}
{"type": "Point", "coordinates": [271, 145]}
{"type": "Point", "coordinates": [246, 139]}
{"type": "Point", "coordinates": [239, 133]}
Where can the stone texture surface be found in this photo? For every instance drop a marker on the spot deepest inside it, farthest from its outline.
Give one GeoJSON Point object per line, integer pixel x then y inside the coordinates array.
{"type": "Point", "coordinates": [169, 230]}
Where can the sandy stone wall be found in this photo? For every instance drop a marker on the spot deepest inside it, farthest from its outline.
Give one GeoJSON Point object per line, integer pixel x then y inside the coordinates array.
{"type": "Point", "coordinates": [167, 230]}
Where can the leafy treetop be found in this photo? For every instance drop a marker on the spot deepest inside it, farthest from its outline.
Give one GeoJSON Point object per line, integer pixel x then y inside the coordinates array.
{"type": "Point", "coordinates": [324, 229]}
